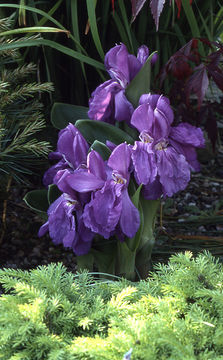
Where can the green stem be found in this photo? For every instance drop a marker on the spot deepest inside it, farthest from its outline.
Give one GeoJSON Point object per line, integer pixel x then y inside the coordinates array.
{"type": "Point", "coordinates": [125, 261]}
{"type": "Point", "coordinates": [143, 256]}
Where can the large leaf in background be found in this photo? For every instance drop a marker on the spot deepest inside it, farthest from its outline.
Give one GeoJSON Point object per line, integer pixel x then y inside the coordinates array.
{"type": "Point", "coordinates": [140, 84]}
{"type": "Point", "coordinates": [63, 114]}
{"type": "Point", "coordinates": [53, 193]}
{"type": "Point", "coordinates": [38, 201]}
{"type": "Point", "coordinates": [102, 149]}
{"type": "Point", "coordinates": [198, 84]}
{"type": "Point", "coordinates": [95, 130]}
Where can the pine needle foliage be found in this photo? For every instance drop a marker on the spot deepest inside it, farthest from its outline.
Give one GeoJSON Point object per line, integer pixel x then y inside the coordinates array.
{"type": "Point", "coordinates": [21, 112]}
{"type": "Point", "coordinates": [177, 313]}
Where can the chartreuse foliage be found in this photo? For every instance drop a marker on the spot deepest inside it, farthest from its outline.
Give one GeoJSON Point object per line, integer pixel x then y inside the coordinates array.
{"type": "Point", "coordinates": [49, 313]}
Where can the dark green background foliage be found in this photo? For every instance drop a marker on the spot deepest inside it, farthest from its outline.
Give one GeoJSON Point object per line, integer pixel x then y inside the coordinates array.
{"type": "Point", "coordinates": [21, 113]}
{"type": "Point", "coordinates": [49, 313]}
{"type": "Point", "coordinates": [74, 80]}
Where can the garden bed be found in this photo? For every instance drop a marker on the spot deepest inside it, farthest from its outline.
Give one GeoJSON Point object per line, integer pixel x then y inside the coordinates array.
{"type": "Point", "coordinates": [192, 220]}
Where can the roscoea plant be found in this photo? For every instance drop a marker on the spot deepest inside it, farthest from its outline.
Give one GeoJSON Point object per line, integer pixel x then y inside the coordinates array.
{"type": "Point", "coordinates": [113, 168]}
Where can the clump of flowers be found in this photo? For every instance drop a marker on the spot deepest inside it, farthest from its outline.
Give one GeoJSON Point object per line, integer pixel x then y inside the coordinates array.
{"type": "Point", "coordinates": [106, 199]}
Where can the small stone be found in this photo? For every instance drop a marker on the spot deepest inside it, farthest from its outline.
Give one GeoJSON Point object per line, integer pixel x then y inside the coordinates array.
{"type": "Point", "coordinates": [187, 196]}
{"type": "Point", "coordinates": [208, 206]}
{"type": "Point", "coordinates": [201, 228]}
{"type": "Point", "coordinates": [215, 184]}
{"type": "Point", "coordinates": [219, 227]}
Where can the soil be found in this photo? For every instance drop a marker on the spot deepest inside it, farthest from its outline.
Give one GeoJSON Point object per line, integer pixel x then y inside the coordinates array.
{"type": "Point", "coordinates": [191, 220]}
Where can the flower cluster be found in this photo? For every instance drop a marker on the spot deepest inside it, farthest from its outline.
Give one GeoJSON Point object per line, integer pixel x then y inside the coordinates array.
{"type": "Point", "coordinates": [95, 197]}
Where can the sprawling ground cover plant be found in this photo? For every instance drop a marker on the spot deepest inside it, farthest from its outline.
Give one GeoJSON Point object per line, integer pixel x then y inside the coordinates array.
{"type": "Point", "coordinates": [49, 313]}
{"type": "Point", "coordinates": [112, 169]}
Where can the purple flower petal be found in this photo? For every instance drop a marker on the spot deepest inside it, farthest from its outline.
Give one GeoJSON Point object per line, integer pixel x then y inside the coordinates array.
{"type": "Point", "coordinates": [142, 117]}
{"type": "Point", "coordinates": [123, 108]}
{"type": "Point", "coordinates": [96, 165]}
{"type": "Point", "coordinates": [144, 163]}
{"type": "Point", "coordinates": [61, 182]}
{"type": "Point", "coordinates": [187, 134]}
{"type": "Point", "coordinates": [129, 219]}
{"type": "Point", "coordinates": [173, 170]}
{"type": "Point", "coordinates": [101, 103]}
{"type": "Point", "coordinates": [119, 160]}
{"type": "Point", "coordinates": [102, 214]}
{"type": "Point", "coordinates": [184, 138]}
{"type": "Point", "coordinates": [150, 99]}
{"type": "Point", "coordinates": [110, 145]}
{"type": "Point", "coordinates": [134, 66]}
{"type": "Point", "coordinates": [72, 145]}
{"type": "Point", "coordinates": [61, 221]}
{"type": "Point", "coordinates": [83, 239]}
{"type": "Point", "coordinates": [62, 227]}
{"type": "Point", "coordinates": [48, 177]}
{"type": "Point", "coordinates": [55, 155]}
{"type": "Point", "coordinates": [116, 63]}
{"type": "Point", "coordinates": [142, 54]}
{"type": "Point", "coordinates": [153, 191]}
{"type": "Point", "coordinates": [160, 104]}
{"type": "Point", "coordinates": [154, 115]}
{"type": "Point", "coordinates": [83, 181]}
{"type": "Point", "coordinates": [43, 229]}
{"type": "Point", "coordinates": [189, 152]}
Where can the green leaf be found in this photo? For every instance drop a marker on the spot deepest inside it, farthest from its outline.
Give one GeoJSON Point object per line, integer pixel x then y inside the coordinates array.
{"type": "Point", "coordinates": [147, 239]}
{"type": "Point", "coordinates": [135, 197]}
{"type": "Point", "coordinates": [125, 21]}
{"type": "Point", "coordinates": [32, 29]}
{"type": "Point", "coordinates": [63, 114]}
{"type": "Point", "coordinates": [53, 193]}
{"type": "Point", "coordinates": [125, 265]}
{"type": "Point", "coordinates": [93, 27]}
{"type": "Point", "coordinates": [134, 242]}
{"type": "Point", "coordinates": [95, 130]}
{"type": "Point", "coordinates": [101, 148]}
{"type": "Point", "coordinates": [85, 262]}
{"type": "Point", "coordinates": [37, 200]}
{"type": "Point", "coordinates": [140, 84]}
{"type": "Point", "coordinates": [105, 260]}
{"type": "Point", "coordinates": [54, 45]}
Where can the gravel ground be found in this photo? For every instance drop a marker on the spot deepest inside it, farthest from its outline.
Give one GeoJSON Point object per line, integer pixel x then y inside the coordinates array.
{"type": "Point", "coordinates": [192, 219]}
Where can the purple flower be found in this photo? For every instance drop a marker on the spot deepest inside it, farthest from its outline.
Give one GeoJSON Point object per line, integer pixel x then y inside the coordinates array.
{"type": "Point", "coordinates": [173, 172]}
{"type": "Point", "coordinates": [110, 206]}
{"type": "Point", "coordinates": [66, 228]}
{"type": "Point", "coordinates": [123, 66]}
{"type": "Point", "coordinates": [108, 102]}
{"type": "Point", "coordinates": [72, 151]}
{"type": "Point", "coordinates": [157, 164]}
